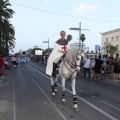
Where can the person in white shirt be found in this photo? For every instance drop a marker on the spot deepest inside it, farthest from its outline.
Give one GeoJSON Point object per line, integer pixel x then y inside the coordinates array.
{"type": "Point", "coordinates": [104, 61]}
{"type": "Point", "coordinates": [87, 67]}
{"type": "Point", "coordinates": [13, 60]}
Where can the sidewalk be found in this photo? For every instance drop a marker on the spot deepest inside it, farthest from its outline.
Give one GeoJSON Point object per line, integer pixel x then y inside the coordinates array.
{"type": "Point", "coordinates": [106, 80]}
{"type": "Point", "coordinates": [116, 81]}
{"type": "Point", "coordinates": [111, 79]}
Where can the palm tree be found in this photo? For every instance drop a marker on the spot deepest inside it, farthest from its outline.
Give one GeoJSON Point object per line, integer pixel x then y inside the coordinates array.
{"type": "Point", "coordinates": [82, 38]}
{"type": "Point", "coordinates": [69, 37]}
{"type": "Point", "coordinates": [108, 48]}
{"type": "Point", "coordinates": [5, 13]}
{"type": "Point", "coordinates": [8, 36]}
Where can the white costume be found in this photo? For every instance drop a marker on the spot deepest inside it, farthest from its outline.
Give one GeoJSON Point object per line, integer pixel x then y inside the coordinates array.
{"type": "Point", "coordinates": [61, 45]}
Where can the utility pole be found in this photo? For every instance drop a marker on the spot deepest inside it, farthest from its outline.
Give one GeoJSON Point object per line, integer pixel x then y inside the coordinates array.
{"type": "Point", "coordinates": [48, 46]}
{"type": "Point", "coordinates": [79, 34]}
{"type": "Point", "coordinates": [78, 29]}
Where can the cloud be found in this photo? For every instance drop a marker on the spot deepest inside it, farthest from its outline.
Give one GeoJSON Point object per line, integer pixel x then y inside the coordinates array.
{"type": "Point", "coordinates": [46, 1]}
{"type": "Point", "coordinates": [85, 8]}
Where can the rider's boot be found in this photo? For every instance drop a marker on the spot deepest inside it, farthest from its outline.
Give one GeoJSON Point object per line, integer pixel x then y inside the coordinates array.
{"type": "Point", "coordinates": [54, 69]}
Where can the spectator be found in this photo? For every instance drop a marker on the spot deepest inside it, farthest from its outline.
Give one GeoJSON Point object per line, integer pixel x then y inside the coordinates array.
{"type": "Point", "coordinates": [107, 60]}
{"type": "Point", "coordinates": [116, 64]}
{"type": "Point", "coordinates": [99, 56]}
{"type": "Point", "coordinates": [111, 59]}
{"type": "Point", "coordinates": [13, 60]}
{"type": "Point", "coordinates": [98, 64]}
{"type": "Point", "coordinates": [82, 65]}
{"type": "Point", "coordinates": [103, 58]}
{"type": "Point", "coordinates": [6, 62]}
{"type": "Point", "coordinates": [1, 61]}
{"type": "Point", "coordinates": [2, 65]}
{"type": "Point", "coordinates": [105, 72]}
{"type": "Point", "coordinates": [92, 65]}
{"type": "Point", "coordinates": [87, 67]}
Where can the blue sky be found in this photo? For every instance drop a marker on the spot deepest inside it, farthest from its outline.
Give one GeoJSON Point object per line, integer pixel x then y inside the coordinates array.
{"type": "Point", "coordinates": [34, 26]}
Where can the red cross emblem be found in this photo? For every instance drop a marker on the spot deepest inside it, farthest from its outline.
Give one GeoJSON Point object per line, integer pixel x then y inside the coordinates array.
{"type": "Point", "coordinates": [64, 48]}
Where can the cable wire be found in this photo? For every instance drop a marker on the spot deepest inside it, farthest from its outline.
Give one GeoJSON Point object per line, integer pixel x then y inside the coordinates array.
{"type": "Point", "coordinates": [50, 12]}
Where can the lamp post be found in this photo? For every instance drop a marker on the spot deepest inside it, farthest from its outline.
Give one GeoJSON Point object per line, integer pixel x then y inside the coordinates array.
{"type": "Point", "coordinates": [48, 46]}
{"type": "Point", "coordinates": [78, 29]}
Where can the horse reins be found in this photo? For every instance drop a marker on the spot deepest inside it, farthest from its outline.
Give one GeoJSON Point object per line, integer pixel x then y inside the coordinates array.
{"type": "Point", "coordinates": [71, 65]}
{"type": "Point", "coordinates": [68, 68]}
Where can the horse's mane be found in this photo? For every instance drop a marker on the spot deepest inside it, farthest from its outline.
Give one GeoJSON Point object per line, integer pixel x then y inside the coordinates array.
{"type": "Point", "coordinates": [72, 53]}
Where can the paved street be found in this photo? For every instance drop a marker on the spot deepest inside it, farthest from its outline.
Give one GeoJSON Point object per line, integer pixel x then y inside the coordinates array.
{"type": "Point", "coordinates": [25, 94]}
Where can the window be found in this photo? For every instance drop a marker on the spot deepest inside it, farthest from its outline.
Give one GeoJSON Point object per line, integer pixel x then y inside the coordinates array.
{"type": "Point", "coordinates": [117, 38]}
{"type": "Point", "coordinates": [112, 39]}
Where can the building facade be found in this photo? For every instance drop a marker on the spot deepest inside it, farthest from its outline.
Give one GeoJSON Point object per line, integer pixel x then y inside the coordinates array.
{"type": "Point", "coordinates": [112, 37]}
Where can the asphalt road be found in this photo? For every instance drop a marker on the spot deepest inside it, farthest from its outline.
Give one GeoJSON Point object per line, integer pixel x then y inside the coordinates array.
{"type": "Point", "coordinates": [25, 94]}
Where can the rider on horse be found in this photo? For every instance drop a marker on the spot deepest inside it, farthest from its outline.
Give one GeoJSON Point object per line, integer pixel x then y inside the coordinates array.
{"type": "Point", "coordinates": [59, 50]}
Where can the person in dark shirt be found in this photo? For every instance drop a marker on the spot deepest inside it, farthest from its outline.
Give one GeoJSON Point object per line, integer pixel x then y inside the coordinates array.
{"type": "Point", "coordinates": [98, 64]}
{"type": "Point", "coordinates": [111, 59]}
{"type": "Point", "coordinates": [117, 65]}
{"type": "Point", "coordinates": [100, 56]}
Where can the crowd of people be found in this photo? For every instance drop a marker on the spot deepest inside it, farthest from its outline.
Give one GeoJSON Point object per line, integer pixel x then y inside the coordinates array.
{"type": "Point", "coordinates": [7, 62]}
{"type": "Point", "coordinates": [101, 66]}
{"type": "Point", "coordinates": [13, 61]}
{"type": "Point", "coordinates": [40, 59]}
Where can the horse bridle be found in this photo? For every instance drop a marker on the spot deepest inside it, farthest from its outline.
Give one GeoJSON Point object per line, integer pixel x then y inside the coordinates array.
{"type": "Point", "coordinates": [71, 64]}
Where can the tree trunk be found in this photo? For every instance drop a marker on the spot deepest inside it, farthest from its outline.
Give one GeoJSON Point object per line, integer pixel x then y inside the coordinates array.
{"type": "Point", "coordinates": [6, 48]}
{"type": "Point", "coordinates": [3, 39]}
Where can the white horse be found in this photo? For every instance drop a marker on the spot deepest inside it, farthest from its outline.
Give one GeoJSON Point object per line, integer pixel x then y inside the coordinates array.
{"type": "Point", "coordinates": [68, 70]}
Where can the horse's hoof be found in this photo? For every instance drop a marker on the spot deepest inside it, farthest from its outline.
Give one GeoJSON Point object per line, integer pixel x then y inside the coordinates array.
{"type": "Point", "coordinates": [55, 90]}
{"type": "Point", "coordinates": [75, 107]}
{"type": "Point", "coordinates": [63, 100]}
{"type": "Point", "coordinates": [53, 94]}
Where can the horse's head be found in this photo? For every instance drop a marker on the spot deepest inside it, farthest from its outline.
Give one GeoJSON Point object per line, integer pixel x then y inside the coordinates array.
{"type": "Point", "coordinates": [78, 59]}
{"type": "Point", "coordinates": [74, 56]}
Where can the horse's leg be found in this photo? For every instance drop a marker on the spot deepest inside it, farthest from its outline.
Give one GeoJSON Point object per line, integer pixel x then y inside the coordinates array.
{"type": "Point", "coordinates": [74, 94]}
{"type": "Point", "coordinates": [55, 84]}
{"type": "Point", "coordinates": [53, 88]}
{"type": "Point", "coordinates": [63, 90]}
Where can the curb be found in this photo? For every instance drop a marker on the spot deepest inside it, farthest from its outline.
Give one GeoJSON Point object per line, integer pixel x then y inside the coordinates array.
{"type": "Point", "coordinates": [113, 81]}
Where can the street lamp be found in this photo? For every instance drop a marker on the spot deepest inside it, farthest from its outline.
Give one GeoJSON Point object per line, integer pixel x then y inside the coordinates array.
{"type": "Point", "coordinates": [48, 46]}
{"type": "Point", "coordinates": [78, 29]}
